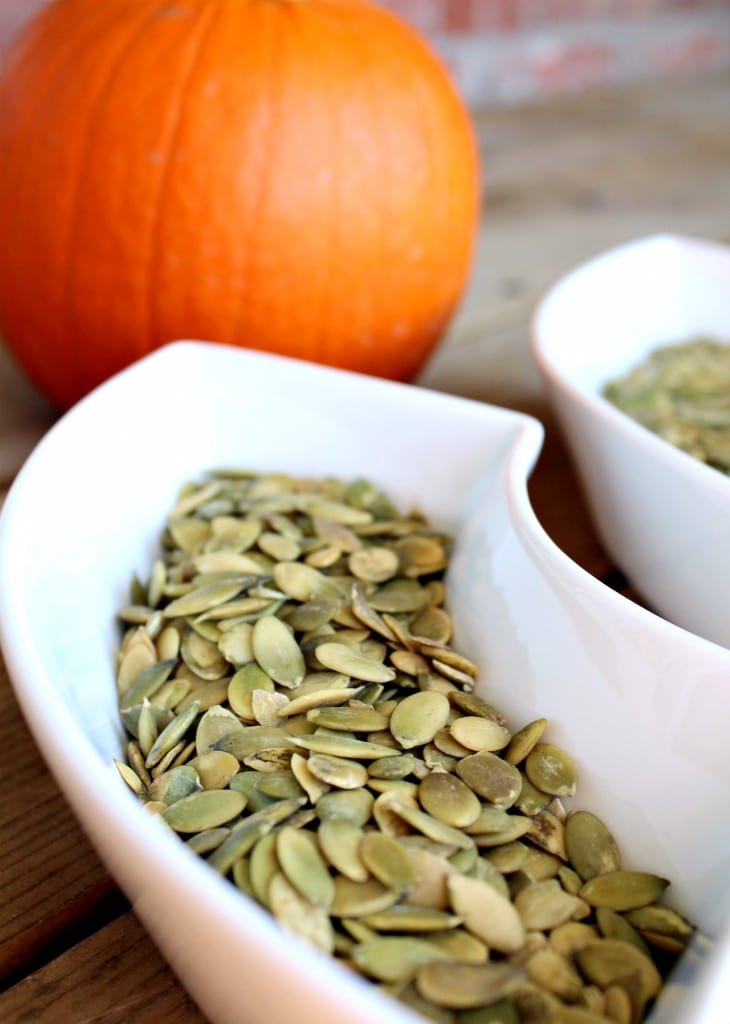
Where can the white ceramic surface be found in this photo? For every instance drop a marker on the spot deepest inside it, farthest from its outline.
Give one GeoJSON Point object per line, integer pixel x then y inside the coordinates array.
{"type": "Point", "coordinates": [663, 516]}
{"type": "Point", "coordinates": [643, 706]}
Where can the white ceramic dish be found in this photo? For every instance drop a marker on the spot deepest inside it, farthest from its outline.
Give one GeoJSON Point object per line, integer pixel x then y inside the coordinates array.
{"type": "Point", "coordinates": [663, 516]}
{"type": "Point", "coordinates": [643, 706]}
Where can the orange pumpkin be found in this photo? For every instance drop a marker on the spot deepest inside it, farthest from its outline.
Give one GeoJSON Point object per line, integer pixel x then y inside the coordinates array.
{"type": "Point", "coordinates": [298, 176]}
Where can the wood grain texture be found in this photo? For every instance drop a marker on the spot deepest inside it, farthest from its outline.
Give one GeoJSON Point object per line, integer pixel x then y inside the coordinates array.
{"type": "Point", "coordinates": [52, 885]}
{"type": "Point", "coordinates": [114, 976]}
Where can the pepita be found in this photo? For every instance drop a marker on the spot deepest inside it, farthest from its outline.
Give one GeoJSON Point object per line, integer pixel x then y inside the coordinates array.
{"type": "Point", "coordinates": [296, 710]}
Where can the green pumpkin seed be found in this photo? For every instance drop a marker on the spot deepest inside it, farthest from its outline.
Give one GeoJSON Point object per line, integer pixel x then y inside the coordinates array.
{"type": "Point", "coordinates": [339, 841]}
{"type": "Point", "coordinates": [545, 905]}
{"type": "Point", "coordinates": [399, 766]}
{"type": "Point", "coordinates": [146, 683]}
{"type": "Point", "coordinates": [449, 799]}
{"type": "Point", "coordinates": [552, 770]}
{"type": "Point", "coordinates": [263, 865]}
{"type": "Point", "coordinates": [244, 834]}
{"type": "Point", "coordinates": [431, 827]}
{"type": "Point", "coordinates": [172, 734]}
{"type": "Point", "coordinates": [660, 920]}
{"type": "Point", "coordinates": [147, 729]}
{"type": "Point", "coordinates": [206, 841]}
{"type": "Point", "coordinates": [215, 723]}
{"type": "Point", "coordinates": [412, 919]}
{"type": "Point", "coordinates": [394, 958]}
{"type": "Point", "coordinates": [623, 890]}
{"type": "Point", "coordinates": [277, 652]}
{"type": "Point", "coordinates": [342, 746]}
{"type": "Point", "coordinates": [465, 986]}
{"type": "Point", "coordinates": [202, 599]}
{"type": "Point", "coordinates": [340, 658]}
{"type": "Point", "coordinates": [617, 1005]}
{"type": "Point", "coordinates": [215, 768]}
{"type": "Point", "coordinates": [304, 583]}
{"type": "Point", "coordinates": [571, 936]}
{"type": "Point", "coordinates": [354, 806]}
{"type": "Point", "coordinates": [433, 623]}
{"type": "Point", "coordinates": [590, 846]}
{"type": "Point", "coordinates": [204, 810]}
{"type": "Point", "coordinates": [254, 739]}
{"type": "Point", "coordinates": [202, 656]}
{"type": "Point", "coordinates": [337, 771]}
{"type": "Point", "coordinates": [503, 1011]}
{"type": "Point", "coordinates": [490, 819]}
{"type": "Point", "coordinates": [418, 717]}
{"type": "Point", "coordinates": [399, 595]}
{"type": "Point", "coordinates": [516, 828]}
{"type": "Point", "coordinates": [374, 564]}
{"type": "Point", "coordinates": [130, 777]}
{"type": "Point", "coordinates": [303, 866]}
{"type": "Point", "coordinates": [508, 858]}
{"type": "Point", "coordinates": [136, 655]}
{"type": "Point", "coordinates": [387, 861]}
{"type": "Point", "coordinates": [524, 741]}
{"type": "Point", "coordinates": [548, 832]}
{"type": "Point", "coordinates": [553, 973]}
{"type": "Point", "coordinates": [267, 707]}
{"type": "Point", "coordinates": [491, 778]}
{"type": "Point", "coordinates": [298, 916]}
{"type": "Point", "coordinates": [248, 782]}
{"type": "Point", "coordinates": [279, 783]}
{"type": "Point", "coordinates": [460, 944]}
{"type": "Point", "coordinates": [241, 687]}
{"type": "Point", "coordinates": [408, 995]}
{"type": "Point", "coordinates": [174, 784]}
{"type": "Point", "coordinates": [610, 961]}
{"type": "Point", "coordinates": [471, 704]}
{"type": "Point", "coordinates": [486, 913]}
{"type": "Point", "coordinates": [476, 733]}
{"type": "Point", "coordinates": [360, 899]}
{"type": "Point", "coordinates": [355, 718]}
{"type": "Point", "coordinates": [236, 644]}
{"type": "Point", "coordinates": [314, 788]}
{"type": "Point", "coordinates": [613, 925]}
{"type": "Point", "coordinates": [332, 696]}
{"type": "Point", "coordinates": [208, 695]}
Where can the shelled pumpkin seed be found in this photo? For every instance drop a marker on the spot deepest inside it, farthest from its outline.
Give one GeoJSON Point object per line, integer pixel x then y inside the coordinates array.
{"type": "Point", "coordinates": [681, 392]}
{"type": "Point", "coordinates": [297, 714]}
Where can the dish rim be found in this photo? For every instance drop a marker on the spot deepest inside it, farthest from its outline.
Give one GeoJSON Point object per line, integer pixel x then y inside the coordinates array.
{"type": "Point", "coordinates": [592, 399]}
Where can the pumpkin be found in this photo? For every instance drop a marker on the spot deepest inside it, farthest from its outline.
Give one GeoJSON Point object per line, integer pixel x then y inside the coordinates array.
{"type": "Point", "coordinates": [298, 176]}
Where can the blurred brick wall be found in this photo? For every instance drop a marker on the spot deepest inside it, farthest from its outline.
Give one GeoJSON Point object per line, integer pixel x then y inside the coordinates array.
{"type": "Point", "coordinates": [503, 51]}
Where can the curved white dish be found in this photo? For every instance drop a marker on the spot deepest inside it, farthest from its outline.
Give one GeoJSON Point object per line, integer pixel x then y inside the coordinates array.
{"type": "Point", "coordinates": [663, 516]}
{"type": "Point", "coordinates": [643, 706]}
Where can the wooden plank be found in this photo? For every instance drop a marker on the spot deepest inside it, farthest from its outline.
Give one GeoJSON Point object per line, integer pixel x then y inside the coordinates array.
{"type": "Point", "coordinates": [52, 884]}
{"type": "Point", "coordinates": [113, 977]}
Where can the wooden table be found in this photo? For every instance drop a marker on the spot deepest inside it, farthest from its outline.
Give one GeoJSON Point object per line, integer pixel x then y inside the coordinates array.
{"type": "Point", "coordinates": [562, 182]}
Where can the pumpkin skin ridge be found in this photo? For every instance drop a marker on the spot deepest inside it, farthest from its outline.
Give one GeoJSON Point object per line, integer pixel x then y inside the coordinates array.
{"type": "Point", "coordinates": [175, 116]}
{"type": "Point", "coordinates": [122, 347]}
{"type": "Point", "coordinates": [34, 364]}
{"type": "Point", "coordinates": [173, 300]}
{"type": "Point", "coordinates": [148, 14]}
{"type": "Point", "coordinates": [439, 316]}
{"type": "Point", "coordinates": [246, 261]}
